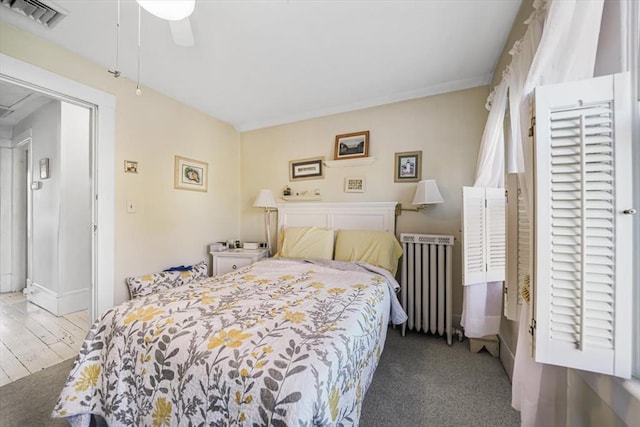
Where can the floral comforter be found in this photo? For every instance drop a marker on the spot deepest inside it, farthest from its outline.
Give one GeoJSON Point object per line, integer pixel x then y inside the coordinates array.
{"type": "Point", "coordinates": [279, 343]}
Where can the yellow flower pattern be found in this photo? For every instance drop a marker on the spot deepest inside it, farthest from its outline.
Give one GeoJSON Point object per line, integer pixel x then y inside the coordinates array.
{"type": "Point", "coordinates": [144, 314]}
{"type": "Point", "coordinates": [88, 378]}
{"type": "Point", "coordinates": [162, 413]}
{"type": "Point", "coordinates": [259, 337]}
{"type": "Point", "coordinates": [296, 317]}
{"type": "Point", "coordinates": [232, 339]}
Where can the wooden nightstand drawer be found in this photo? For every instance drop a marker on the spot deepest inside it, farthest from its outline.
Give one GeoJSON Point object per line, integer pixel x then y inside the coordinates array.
{"type": "Point", "coordinates": [230, 260]}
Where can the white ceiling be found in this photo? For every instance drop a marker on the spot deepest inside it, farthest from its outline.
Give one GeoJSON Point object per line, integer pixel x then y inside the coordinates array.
{"type": "Point", "coordinates": [262, 63]}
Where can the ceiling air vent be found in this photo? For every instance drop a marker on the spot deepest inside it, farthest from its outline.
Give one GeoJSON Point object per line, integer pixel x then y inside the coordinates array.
{"type": "Point", "coordinates": [44, 12]}
{"type": "Point", "coordinates": [4, 111]}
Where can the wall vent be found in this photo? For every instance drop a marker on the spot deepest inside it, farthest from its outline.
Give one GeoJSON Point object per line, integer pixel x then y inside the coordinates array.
{"type": "Point", "coordinates": [43, 12]}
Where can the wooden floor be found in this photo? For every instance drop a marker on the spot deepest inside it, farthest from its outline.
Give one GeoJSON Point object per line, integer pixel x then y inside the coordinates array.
{"type": "Point", "coordinates": [32, 339]}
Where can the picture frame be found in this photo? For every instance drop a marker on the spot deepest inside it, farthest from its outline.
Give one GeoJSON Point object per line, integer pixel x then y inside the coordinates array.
{"type": "Point", "coordinates": [306, 169]}
{"type": "Point", "coordinates": [408, 166]}
{"type": "Point", "coordinates": [354, 185]}
{"type": "Point", "coordinates": [44, 168]}
{"type": "Point", "coordinates": [352, 145]}
{"type": "Point", "coordinates": [130, 166]}
{"type": "Point", "coordinates": [190, 174]}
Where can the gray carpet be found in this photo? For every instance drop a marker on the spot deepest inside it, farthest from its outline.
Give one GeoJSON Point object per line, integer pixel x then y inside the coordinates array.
{"type": "Point", "coordinates": [420, 381]}
{"type": "Point", "coordinates": [30, 400]}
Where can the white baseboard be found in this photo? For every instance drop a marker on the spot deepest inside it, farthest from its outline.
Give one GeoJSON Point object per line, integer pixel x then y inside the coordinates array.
{"type": "Point", "coordinates": [507, 357]}
{"type": "Point", "coordinates": [5, 282]}
{"type": "Point", "coordinates": [73, 301]}
{"type": "Point", "coordinates": [58, 305]}
{"type": "Point", "coordinates": [42, 297]}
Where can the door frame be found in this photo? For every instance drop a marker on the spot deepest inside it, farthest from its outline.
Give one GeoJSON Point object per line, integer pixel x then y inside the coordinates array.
{"type": "Point", "coordinates": [102, 107]}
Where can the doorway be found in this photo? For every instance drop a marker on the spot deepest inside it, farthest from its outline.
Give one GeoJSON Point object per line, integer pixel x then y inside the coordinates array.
{"type": "Point", "coordinates": [100, 109]}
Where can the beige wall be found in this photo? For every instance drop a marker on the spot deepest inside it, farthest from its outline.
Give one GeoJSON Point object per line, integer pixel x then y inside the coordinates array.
{"type": "Point", "coordinates": [171, 226]}
{"type": "Point", "coordinates": [447, 128]}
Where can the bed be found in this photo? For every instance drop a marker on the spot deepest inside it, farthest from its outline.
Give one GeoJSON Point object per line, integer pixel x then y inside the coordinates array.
{"type": "Point", "coordinates": [286, 341]}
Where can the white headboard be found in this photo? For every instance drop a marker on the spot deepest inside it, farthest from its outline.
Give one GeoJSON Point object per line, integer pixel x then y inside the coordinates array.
{"type": "Point", "coordinates": [379, 216]}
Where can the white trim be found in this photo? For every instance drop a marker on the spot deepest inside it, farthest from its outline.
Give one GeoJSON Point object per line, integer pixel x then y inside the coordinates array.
{"type": "Point", "coordinates": [368, 103]}
{"type": "Point", "coordinates": [73, 301]}
{"type": "Point", "coordinates": [507, 357]}
{"type": "Point", "coordinates": [42, 297]}
{"type": "Point", "coordinates": [103, 107]}
{"type": "Point", "coordinates": [622, 396]}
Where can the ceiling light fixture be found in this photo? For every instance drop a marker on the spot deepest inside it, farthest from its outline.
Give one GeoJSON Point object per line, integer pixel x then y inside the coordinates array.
{"type": "Point", "coordinates": [170, 10]}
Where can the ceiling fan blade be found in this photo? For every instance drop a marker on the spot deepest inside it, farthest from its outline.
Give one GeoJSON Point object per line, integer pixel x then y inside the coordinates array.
{"type": "Point", "coordinates": [181, 32]}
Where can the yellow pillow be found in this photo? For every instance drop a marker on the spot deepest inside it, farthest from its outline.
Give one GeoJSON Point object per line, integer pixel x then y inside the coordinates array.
{"type": "Point", "coordinates": [378, 248]}
{"type": "Point", "coordinates": [306, 242]}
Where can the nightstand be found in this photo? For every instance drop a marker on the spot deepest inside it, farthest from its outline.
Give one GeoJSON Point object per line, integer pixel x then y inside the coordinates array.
{"type": "Point", "coordinates": [232, 259]}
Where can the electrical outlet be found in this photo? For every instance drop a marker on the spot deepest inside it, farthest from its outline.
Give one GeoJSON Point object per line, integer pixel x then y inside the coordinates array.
{"type": "Point", "coordinates": [131, 207]}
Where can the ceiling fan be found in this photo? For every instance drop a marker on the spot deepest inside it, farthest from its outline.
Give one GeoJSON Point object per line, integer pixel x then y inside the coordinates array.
{"type": "Point", "coordinates": [177, 12]}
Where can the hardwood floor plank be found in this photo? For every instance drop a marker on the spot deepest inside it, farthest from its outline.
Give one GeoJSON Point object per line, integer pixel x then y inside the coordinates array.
{"type": "Point", "coordinates": [58, 326]}
{"type": "Point", "coordinates": [28, 322]}
{"type": "Point", "coordinates": [65, 351]}
{"type": "Point", "coordinates": [10, 365]}
{"type": "Point", "coordinates": [4, 378]}
{"type": "Point", "coordinates": [32, 339]}
{"type": "Point", "coordinates": [80, 319]}
{"type": "Point", "coordinates": [25, 346]}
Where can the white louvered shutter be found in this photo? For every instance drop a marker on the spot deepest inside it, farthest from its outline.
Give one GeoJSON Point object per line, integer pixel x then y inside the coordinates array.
{"type": "Point", "coordinates": [518, 232]}
{"type": "Point", "coordinates": [583, 272]}
{"type": "Point", "coordinates": [473, 235]}
{"type": "Point", "coordinates": [496, 227]}
{"type": "Point", "coordinates": [483, 234]}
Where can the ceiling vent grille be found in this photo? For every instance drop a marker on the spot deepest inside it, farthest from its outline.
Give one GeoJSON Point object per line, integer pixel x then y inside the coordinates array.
{"type": "Point", "coordinates": [43, 12]}
{"type": "Point", "coordinates": [4, 111]}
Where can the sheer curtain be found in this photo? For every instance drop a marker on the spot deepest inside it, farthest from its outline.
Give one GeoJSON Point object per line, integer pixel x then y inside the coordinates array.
{"type": "Point", "coordinates": [482, 302]}
{"type": "Point", "coordinates": [559, 45]}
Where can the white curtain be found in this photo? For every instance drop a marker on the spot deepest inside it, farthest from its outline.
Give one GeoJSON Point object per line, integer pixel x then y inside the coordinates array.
{"type": "Point", "coordinates": [559, 45]}
{"type": "Point", "coordinates": [482, 302]}
{"type": "Point", "coordinates": [566, 50]}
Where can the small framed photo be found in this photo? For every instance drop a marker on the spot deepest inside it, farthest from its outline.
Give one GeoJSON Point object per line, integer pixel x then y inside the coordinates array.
{"type": "Point", "coordinates": [354, 185]}
{"type": "Point", "coordinates": [130, 166]}
{"type": "Point", "coordinates": [306, 169]}
{"type": "Point", "coordinates": [408, 166]}
{"type": "Point", "coordinates": [352, 145]}
{"type": "Point", "coordinates": [190, 174]}
{"type": "Point", "coordinates": [44, 168]}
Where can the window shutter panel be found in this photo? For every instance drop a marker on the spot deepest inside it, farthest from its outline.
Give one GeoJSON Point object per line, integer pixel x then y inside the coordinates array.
{"type": "Point", "coordinates": [517, 248]}
{"type": "Point", "coordinates": [583, 272]}
{"type": "Point", "coordinates": [496, 227]}
{"type": "Point", "coordinates": [473, 235]}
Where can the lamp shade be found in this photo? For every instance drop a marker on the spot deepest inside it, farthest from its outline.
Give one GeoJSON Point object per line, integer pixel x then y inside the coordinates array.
{"type": "Point", "coordinates": [265, 200]}
{"type": "Point", "coordinates": [427, 193]}
{"type": "Point", "coordinates": [171, 10]}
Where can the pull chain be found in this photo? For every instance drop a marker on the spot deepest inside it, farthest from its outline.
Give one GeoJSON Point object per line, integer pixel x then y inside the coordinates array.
{"type": "Point", "coordinates": [138, 90]}
{"type": "Point", "coordinates": [116, 71]}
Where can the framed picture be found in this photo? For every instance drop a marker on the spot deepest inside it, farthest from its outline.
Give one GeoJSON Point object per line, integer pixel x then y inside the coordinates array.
{"type": "Point", "coordinates": [408, 166]}
{"type": "Point", "coordinates": [354, 185]}
{"type": "Point", "coordinates": [130, 166]}
{"type": "Point", "coordinates": [352, 145]}
{"type": "Point", "coordinates": [306, 169]}
{"type": "Point", "coordinates": [190, 174]}
{"type": "Point", "coordinates": [44, 168]}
